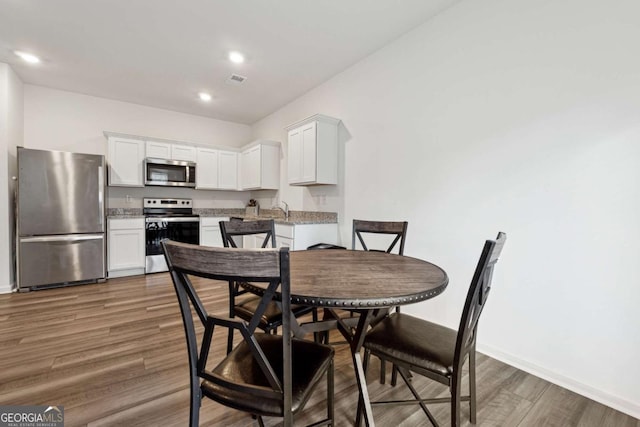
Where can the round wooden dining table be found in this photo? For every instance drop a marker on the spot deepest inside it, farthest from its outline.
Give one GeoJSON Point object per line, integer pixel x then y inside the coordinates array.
{"type": "Point", "coordinates": [368, 282]}
{"type": "Point", "coordinates": [362, 279]}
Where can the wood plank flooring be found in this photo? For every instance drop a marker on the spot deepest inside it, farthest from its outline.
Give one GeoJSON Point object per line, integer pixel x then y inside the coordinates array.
{"type": "Point", "coordinates": [114, 355]}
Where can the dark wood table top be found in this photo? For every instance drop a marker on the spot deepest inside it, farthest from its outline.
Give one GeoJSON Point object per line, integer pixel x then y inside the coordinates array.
{"type": "Point", "coordinates": [337, 278]}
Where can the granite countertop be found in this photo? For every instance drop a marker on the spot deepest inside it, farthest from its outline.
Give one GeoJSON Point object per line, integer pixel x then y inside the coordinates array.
{"type": "Point", "coordinates": [295, 217]}
{"type": "Point", "coordinates": [124, 213]}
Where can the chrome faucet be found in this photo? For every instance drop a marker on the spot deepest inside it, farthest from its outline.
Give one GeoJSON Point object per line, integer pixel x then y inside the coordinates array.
{"type": "Point", "coordinates": [285, 210]}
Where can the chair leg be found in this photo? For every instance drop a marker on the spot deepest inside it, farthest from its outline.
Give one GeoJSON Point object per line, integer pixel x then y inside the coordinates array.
{"type": "Point", "coordinates": [194, 405]}
{"type": "Point", "coordinates": [232, 314]}
{"type": "Point", "coordinates": [472, 386]}
{"type": "Point", "coordinates": [365, 367]}
{"type": "Point", "coordinates": [383, 371]}
{"type": "Point", "coordinates": [330, 394]}
{"type": "Point", "coordinates": [230, 340]}
{"type": "Point", "coordinates": [455, 398]}
{"type": "Point", "coordinates": [314, 317]}
{"type": "Point", "coordinates": [394, 375]}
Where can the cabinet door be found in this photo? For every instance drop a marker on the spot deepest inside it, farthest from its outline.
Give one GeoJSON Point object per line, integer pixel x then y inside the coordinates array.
{"type": "Point", "coordinates": [126, 158]}
{"type": "Point", "coordinates": [308, 136]}
{"type": "Point", "coordinates": [253, 241]}
{"type": "Point", "coordinates": [207, 169]}
{"type": "Point", "coordinates": [285, 235]}
{"type": "Point", "coordinates": [210, 231]}
{"type": "Point", "coordinates": [183, 152]}
{"type": "Point", "coordinates": [294, 158]}
{"type": "Point", "coordinates": [251, 168]}
{"type": "Point", "coordinates": [158, 150]}
{"type": "Point", "coordinates": [227, 170]}
{"type": "Point", "coordinates": [210, 236]}
{"type": "Point", "coordinates": [284, 242]}
{"type": "Point", "coordinates": [126, 249]}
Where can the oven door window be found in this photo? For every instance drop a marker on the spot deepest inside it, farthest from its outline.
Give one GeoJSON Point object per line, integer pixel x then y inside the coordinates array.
{"type": "Point", "coordinates": [156, 231]}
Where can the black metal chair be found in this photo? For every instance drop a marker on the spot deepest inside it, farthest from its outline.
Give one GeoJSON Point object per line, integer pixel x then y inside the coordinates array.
{"type": "Point", "coordinates": [392, 228]}
{"type": "Point", "coordinates": [265, 373]}
{"type": "Point", "coordinates": [397, 230]}
{"type": "Point", "coordinates": [245, 308]}
{"type": "Point", "coordinates": [435, 351]}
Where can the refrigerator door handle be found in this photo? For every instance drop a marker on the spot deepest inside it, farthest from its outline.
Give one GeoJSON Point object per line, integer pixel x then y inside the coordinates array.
{"type": "Point", "coordinates": [63, 238]}
{"type": "Point", "coordinates": [101, 196]}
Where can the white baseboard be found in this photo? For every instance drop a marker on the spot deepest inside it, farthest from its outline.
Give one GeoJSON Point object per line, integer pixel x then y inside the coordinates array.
{"type": "Point", "coordinates": [6, 289]}
{"type": "Point", "coordinates": [123, 273]}
{"type": "Point", "coordinates": [615, 402]}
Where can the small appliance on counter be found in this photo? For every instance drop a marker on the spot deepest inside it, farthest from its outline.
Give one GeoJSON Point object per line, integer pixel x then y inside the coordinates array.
{"type": "Point", "coordinates": [167, 219]}
{"type": "Point", "coordinates": [60, 219]}
{"type": "Point", "coordinates": [252, 208]}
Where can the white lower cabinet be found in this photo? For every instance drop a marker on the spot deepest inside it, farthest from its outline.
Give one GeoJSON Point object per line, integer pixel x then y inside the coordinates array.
{"type": "Point", "coordinates": [126, 246]}
{"type": "Point", "coordinates": [299, 237]}
{"type": "Point", "coordinates": [254, 241]}
{"type": "Point", "coordinates": [210, 231]}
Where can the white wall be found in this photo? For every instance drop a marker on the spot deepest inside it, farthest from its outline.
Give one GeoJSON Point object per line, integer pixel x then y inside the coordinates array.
{"type": "Point", "coordinates": [67, 121]}
{"type": "Point", "coordinates": [521, 116]}
{"type": "Point", "coordinates": [11, 135]}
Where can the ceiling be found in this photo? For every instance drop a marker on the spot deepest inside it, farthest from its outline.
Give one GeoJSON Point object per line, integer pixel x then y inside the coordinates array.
{"type": "Point", "coordinates": [162, 53]}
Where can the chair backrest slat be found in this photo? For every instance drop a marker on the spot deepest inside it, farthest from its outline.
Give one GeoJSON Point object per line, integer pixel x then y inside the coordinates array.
{"type": "Point", "coordinates": [477, 296]}
{"type": "Point", "coordinates": [225, 262]}
{"type": "Point", "coordinates": [397, 228]}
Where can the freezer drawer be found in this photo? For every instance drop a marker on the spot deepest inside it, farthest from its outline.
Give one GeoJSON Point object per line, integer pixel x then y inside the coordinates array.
{"type": "Point", "coordinates": [48, 260]}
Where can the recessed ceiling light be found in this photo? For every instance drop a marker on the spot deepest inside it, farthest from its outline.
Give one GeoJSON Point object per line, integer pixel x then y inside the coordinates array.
{"type": "Point", "coordinates": [236, 57]}
{"type": "Point", "coordinates": [31, 59]}
{"type": "Point", "coordinates": [204, 96]}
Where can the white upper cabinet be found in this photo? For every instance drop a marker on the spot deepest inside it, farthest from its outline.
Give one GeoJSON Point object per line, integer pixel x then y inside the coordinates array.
{"type": "Point", "coordinates": [216, 169]}
{"type": "Point", "coordinates": [159, 150]}
{"type": "Point", "coordinates": [126, 159]}
{"type": "Point", "coordinates": [260, 166]}
{"type": "Point", "coordinates": [227, 170]}
{"type": "Point", "coordinates": [312, 155]}
{"type": "Point", "coordinates": [207, 169]}
{"type": "Point", "coordinates": [186, 153]}
{"type": "Point", "coordinates": [166, 150]}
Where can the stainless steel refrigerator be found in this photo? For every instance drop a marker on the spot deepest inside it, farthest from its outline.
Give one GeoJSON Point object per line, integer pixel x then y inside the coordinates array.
{"type": "Point", "coordinates": [60, 218]}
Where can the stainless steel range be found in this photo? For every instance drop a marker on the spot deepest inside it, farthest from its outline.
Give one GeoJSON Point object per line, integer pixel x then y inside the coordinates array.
{"type": "Point", "coordinates": [168, 219]}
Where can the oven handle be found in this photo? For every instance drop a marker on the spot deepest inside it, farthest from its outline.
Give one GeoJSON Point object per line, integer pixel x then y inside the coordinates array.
{"type": "Point", "coordinates": [172, 219]}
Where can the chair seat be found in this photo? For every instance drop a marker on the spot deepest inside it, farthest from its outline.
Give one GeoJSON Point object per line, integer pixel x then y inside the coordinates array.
{"type": "Point", "coordinates": [272, 316]}
{"type": "Point", "coordinates": [414, 341]}
{"type": "Point", "coordinates": [310, 363]}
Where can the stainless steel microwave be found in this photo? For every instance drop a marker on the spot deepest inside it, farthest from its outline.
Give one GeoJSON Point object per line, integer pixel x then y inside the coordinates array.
{"type": "Point", "coordinates": [174, 173]}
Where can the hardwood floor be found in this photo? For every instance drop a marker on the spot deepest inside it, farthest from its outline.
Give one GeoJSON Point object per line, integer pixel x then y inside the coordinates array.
{"type": "Point", "coordinates": [114, 355]}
